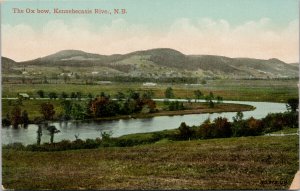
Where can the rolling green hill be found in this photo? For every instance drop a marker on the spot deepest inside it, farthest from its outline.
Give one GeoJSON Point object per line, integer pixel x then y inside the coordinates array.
{"type": "Point", "coordinates": [158, 63]}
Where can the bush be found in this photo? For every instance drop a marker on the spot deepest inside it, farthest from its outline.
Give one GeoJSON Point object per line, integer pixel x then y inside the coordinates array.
{"type": "Point", "coordinates": [16, 146]}
{"type": "Point", "coordinates": [185, 132]}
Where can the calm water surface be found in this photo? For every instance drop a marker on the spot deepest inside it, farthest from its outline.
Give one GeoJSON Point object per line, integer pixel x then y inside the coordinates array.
{"type": "Point", "coordinates": [128, 126]}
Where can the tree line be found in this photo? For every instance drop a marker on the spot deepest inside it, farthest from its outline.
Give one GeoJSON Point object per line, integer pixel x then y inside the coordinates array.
{"type": "Point", "coordinates": [221, 127]}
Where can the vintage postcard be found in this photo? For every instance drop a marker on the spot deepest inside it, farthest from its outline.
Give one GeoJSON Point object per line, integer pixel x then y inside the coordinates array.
{"type": "Point", "coordinates": [150, 94]}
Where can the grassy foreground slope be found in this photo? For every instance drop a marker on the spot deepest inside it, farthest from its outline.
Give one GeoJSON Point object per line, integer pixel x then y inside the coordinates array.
{"type": "Point", "coordinates": [232, 163]}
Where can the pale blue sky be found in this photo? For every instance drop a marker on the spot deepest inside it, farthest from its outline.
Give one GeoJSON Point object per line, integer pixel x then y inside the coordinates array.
{"type": "Point", "coordinates": [234, 28]}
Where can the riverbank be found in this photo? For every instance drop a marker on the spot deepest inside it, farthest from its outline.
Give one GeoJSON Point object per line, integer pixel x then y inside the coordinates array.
{"type": "Point", "coordinates": [194, 108]}
{"type": "Point", "coordinates": [231, 163]}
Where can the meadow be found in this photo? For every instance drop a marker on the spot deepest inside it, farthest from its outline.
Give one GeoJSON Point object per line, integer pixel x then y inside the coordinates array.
{"type": "Point", "coordinates": [231, 163]}
{"type": "Point", "coordinates": [239, 90]}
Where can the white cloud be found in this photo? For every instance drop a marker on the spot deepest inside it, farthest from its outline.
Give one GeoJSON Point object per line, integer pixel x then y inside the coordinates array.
{"type": "Point", "coordinates": [256, 39]}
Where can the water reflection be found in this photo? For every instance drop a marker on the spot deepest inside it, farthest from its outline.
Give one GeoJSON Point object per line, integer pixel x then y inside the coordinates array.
{"type": "Point", "coordinates": [93, 129]}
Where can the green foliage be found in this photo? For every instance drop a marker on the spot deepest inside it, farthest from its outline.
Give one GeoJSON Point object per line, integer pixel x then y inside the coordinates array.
{"type": "Point", "coordinates": [77, 112]}
{"type": "Point", "coordinates": [67, 107]}
{"type": "Point", "coordinates": [104, 107]}
{"type": "Point", "coordinates": [6, 121]}
{"type": "Point", "coordinates": [292, 104]}
{"type": "Point", "coordinates": [133, 94]}
{"type": "Point", "coordinates": [198, 94]}
{"type": "Point", "coordinates": [52, 129]}
{"type": "Point", "coordinates": [169, 93]}
{"type": "Point", "coordinates": [41, 93]}
{"type": "Point", "coordinates": [25, 118]}
{"type": "Point", "coordinates": [175, 106]}
{"type": "Point", "coordinates": [47, 110]}
{"type": "Point", "coordinates": [39, 134]}
{"type": "Point", "coordinates": [73, 95]}
{"type": "Point", "coordinates": [185, 132]}
{"type": "Point", "coordinates": [219, 99]}
{"type": "Point", "coordinates": [120, 96]}
{"type": "Point", "coordinates": [148, 94]}
{"type": "Point", "coordinates": [90, 96]}
{"type": "Point", "coordinates": [211, 104]}
{"type": "Point", "coordinates": [52, 95]}
{"type": "Point", "coordinates": [63, 95]}
{"type": "Point", "coordinates": [238, 117]}
{"type": "Point", "coordinates": [209, 101]}
{"type": "Point", "coordinates": [16, 117]}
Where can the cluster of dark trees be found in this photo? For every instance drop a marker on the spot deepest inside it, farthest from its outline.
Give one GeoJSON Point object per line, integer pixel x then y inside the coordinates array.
{"type": "Point", "coordinates": [16, 118]}
{"type": "Point", "coordinates": [63, 95]}
{"type": "Point", "coordinates": [175, 106]}
{"type": "Point", "coordinates": [104, 106]}
{"type": "Point", "coordinates": [222, 128]}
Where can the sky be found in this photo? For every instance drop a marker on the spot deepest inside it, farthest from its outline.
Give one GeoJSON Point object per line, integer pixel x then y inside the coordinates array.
{"type": "Point", "coordinates": [261, 29]}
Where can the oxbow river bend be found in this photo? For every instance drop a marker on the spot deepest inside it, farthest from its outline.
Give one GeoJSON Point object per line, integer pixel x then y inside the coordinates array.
{"type": "Point", "coordinates": [129, 126]}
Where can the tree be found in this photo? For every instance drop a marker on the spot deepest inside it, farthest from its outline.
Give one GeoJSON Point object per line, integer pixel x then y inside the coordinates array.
{"type": "Point", "coordinates": [47, 110]}
{"type": "Point", "coordinates": [39, 134]}
{"type": "Point", "coordinates": [185, 132]}
{"type": "Point", "coordinates": [78, 95]}
{"type": "Point", "coordinates": [63, 95]}
{"type": "Point", "coordinates": [67, 106]}
{"type": "Point", "coordinates": [90, 96]}
{"type": "Point", "coordinates": [198, 94]}
{"type": "Point", "coordinates": [149, 94]}
{"type": "Point", "coordinates": [52, 129]}
{"type": "Point", "coordinates": [292, 104]}
{"type": "Point", "coordinates": [6, 121]}
{"type": "Point", "coordinates": [52, 95]}
{"type": "Point", "coordinates": [219, 99]}
{"type": "Point", "coordinates": [134, 95]}
{"type": "Point", "coordinates": [16, 117]}
{"type": "Point", "coordinates": [222, 127]}
{"type": "Point", "coordinates": [103, 107]}
{"type": "Point", "coordinates": [73, 95]}
{"type": "Point", "coordinates": [169, 93]}
{"type": "Point", "coordinates": [120, 96]}
{"type": "Point", "coordinates": [41, 93]}
{"type": "Point", "coordinates": [209, 101]}
{"type": "Point", "coordinates": [25, 118]}
{"type": "Point", "coordinates": [238, 117]}
{"type": "Point", "coordinates": [77, 111]}
{"type": "Point", "coordinates": [149, 105]}
{"type": "Point", "coordinates": [211, 104]}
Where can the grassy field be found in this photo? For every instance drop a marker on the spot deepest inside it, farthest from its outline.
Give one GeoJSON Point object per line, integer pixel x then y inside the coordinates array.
{"type": "Point", "coordinates": [31, 106]}
{"type": "Point", "coordinates": [232, 163]}
{"type": "Point", "coordinates": [244, 90]}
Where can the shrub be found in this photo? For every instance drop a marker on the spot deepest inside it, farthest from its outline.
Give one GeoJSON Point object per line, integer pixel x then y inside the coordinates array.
{"type": "Point", "coordinates": [185, 132]}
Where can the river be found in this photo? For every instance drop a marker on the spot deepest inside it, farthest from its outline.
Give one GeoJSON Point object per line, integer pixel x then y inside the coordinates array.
{"type": "Point", "coordinates": [129, 126]}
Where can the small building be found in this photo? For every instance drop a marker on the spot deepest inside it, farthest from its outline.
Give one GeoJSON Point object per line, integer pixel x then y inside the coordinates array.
{"type": "Point", "coordinates": [23, 96]}
{"type": "Point", "coordinates": [104, 82]}
{"type": "Point", "coordinates": [149, 84]}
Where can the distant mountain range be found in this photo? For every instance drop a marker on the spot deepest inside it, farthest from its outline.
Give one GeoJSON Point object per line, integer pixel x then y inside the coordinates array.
{"type": "Point", "coordinates": [156, 63]}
